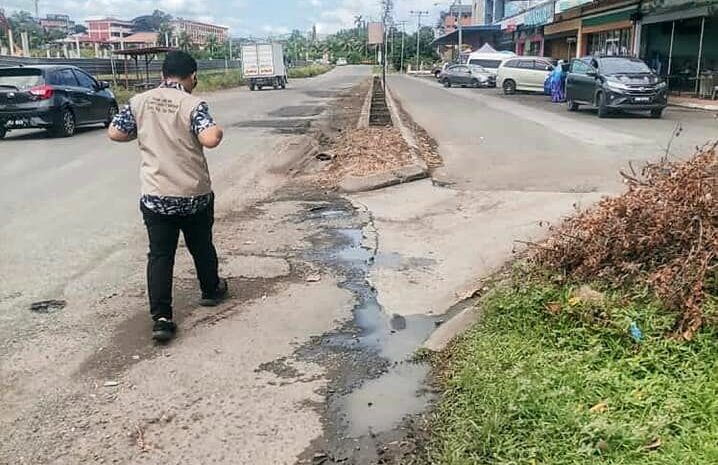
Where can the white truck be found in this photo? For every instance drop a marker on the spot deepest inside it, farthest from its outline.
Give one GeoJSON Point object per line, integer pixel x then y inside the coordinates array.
{"type": "Point", "coordinates": [263, 65]}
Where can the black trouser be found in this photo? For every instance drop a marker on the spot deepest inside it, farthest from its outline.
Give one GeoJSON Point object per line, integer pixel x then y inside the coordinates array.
{"type": "Point", "coordinates": [163, 231]}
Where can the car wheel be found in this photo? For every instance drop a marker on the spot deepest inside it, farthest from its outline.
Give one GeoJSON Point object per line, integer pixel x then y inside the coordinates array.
{"type": "Point", "coordinates": [601, 104]}
{"type": "Point", "coordinates": [476, 83]}
{"type": "Point", "coordinates": [283, 83]}
{"type": "Point", "coordinates": [447, 83]}
{"type": "Point", "coordinates": [437, 74]}
{"type": "Point", "coordinates": [252, 87]}
{"type": "Point", "coordinates": [657, 114]}
{"type": "Point", "coordinates": [111, 112]}
{"type": "Point", "coordinates": [509, 87]}
{"type": "Point", "coordinates": [3, 132]}
{"type": "Point", "coordinates": [571, 105]}
{"type": "Point", "coordinates": [259, 87]}
{"type": "Point", "coordinates": [65, 126]}
{"type": "Point", "coordinates": [275, 84]}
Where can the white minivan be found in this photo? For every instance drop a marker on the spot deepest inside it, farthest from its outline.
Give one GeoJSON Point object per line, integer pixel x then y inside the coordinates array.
{"type": "Point", "coordinates": [524, 73]}
{"type": "Point", "coordinates": [490, 61]}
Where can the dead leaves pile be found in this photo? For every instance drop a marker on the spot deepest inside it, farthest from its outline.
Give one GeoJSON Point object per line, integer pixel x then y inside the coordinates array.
{"type": "Point", "coordinates": [360, 152]}
{"type": "Point", "coordinates": [663, 232]}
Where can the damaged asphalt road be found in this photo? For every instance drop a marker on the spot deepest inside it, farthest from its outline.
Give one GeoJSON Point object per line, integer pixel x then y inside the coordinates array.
{"type": "Point", "coordinates": [302, 365]}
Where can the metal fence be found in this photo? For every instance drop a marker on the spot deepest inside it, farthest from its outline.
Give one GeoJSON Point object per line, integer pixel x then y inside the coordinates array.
{"type": "Point", "coordinates": [106, 66]}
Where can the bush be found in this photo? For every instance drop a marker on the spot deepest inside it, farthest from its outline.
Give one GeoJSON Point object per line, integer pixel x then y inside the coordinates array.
{"type": "Point", "coordinates": [308, 71]}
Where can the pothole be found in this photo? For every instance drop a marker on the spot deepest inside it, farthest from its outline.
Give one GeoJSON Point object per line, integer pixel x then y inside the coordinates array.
{"type": "Point", "coordinates": [298, 111]}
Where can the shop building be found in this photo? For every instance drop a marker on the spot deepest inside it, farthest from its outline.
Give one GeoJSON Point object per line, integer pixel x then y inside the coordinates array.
{"type": "Point", "coordinates": [679, 39]}
{"type": "Point", "coordinates": [608, 28]}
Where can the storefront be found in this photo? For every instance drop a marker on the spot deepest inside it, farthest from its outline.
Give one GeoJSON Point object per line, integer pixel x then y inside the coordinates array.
{"type": "Point", "coordinates": [609, 33]}
{"type": "Point", "coordinates": [560, 39]}
{"type": "Point", "coordinates": [528, 28]}
{"type": "Point", "coordinates": [680, 41]}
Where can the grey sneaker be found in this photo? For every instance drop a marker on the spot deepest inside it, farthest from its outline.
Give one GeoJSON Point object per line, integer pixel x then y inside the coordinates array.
{"type": "Point", "coordinates": [217, 296]}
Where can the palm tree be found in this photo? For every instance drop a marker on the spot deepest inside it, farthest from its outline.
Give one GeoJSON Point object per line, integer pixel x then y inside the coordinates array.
{"type": "Point", "coordinates": [184, 41]}
{"type": "Point", "coordinates": [212, 44]}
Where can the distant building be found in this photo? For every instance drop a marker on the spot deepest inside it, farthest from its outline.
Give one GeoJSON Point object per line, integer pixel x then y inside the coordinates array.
{"type": "Point", "coordinates": [450, 19]}
{"type": "Point", "coordinates": [106, 29]}
{"type": "Point", "coordinates": [198, 32]}
{"type": "Point", "coordinates": [61, 23]}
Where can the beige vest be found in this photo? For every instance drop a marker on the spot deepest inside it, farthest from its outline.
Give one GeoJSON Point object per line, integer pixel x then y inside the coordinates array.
{"type": "Point", "coordinates": [173, 162]}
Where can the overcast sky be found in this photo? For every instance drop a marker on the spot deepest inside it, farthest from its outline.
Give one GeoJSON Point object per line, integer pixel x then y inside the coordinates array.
{"type": "Point", "coordinates": [244, 17]}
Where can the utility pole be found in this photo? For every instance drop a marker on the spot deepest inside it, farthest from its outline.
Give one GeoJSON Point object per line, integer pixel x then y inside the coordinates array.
{"type": "Point", "coordinates": [418, 15]}
{"type": "Point", "coordinates": [388, 7]}
{"type": "Point", "coordinates": [460, 26]}
{"type": "Point", "coordinates": [403, 35]}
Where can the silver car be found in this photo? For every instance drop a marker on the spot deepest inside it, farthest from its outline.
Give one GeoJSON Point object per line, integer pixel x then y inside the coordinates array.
{"type": "Point", "coordinates": [467, 76]}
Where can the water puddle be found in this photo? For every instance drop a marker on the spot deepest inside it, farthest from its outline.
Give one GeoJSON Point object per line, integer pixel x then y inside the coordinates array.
{"type": "Point", "coordinates": [378, 404]}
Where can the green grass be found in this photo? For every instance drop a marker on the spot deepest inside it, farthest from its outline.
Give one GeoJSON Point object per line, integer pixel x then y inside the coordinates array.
{"type": "Point", "coordinates": [307, 71]}
{"type": "Point", "coordinates": [521, 384]}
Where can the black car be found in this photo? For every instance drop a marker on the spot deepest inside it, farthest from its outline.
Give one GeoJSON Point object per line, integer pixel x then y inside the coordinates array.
{"type": "Point", "coordinates": [615, 82]}
{"type": "Point", "coordinates": [53, 97]}
{"type": "Point", "coordinates": [467, 75]}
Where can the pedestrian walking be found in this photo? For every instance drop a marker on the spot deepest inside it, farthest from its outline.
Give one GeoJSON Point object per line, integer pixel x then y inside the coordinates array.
{"type": "Point", "coordinates": [558, 83]}
{"type": "Point", "coordinates": [172, 128]}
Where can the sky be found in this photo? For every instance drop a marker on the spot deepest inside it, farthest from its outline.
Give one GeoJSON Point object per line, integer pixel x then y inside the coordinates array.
{"type": "Point", "coordinates": [257, 18]}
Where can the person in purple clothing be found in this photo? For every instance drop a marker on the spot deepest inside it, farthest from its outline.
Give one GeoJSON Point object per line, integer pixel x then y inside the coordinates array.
{"type": "Point", "coordinates": [558, 83]}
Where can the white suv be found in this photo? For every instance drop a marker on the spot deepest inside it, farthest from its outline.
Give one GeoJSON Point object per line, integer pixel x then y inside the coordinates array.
{"type": "Point", "coordinates": [524, 73]}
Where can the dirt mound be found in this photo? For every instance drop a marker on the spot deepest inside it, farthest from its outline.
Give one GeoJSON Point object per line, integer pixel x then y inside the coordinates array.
{"type": "Point", "coordinates": [663, 232]}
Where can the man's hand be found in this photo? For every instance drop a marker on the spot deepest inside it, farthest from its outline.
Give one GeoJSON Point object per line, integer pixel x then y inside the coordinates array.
{"type": "Point", "coordinates": [118, 135]}
{"type": "Point", "coordinates": [210, 137]}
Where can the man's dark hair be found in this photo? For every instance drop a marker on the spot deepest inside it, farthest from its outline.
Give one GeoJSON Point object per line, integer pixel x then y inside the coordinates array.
{"type": "Point", "coordinates": [178, 65]}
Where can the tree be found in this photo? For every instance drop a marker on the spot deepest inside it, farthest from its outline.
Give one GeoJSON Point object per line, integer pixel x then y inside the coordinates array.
{"type": "Point", "coordinates": [212, 44]}
{"type": "Point", "coordinates": [184, 41]}
{"type": "Point", "coordinates": [153, 22]}
{"type": "Point", "coordinates": [80, 29]}
{"type": "Point", "coordinates": [166, 33]}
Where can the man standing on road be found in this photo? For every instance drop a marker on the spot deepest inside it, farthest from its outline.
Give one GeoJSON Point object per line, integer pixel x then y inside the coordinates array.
{"type": "Point", "coordinates": [173, 128]}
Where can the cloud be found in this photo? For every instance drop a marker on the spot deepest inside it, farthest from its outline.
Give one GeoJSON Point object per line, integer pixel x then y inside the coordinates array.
{"type": "Point", "coordinates": [275, 30]}
{"type": "Point", "coordinates": [342, 16]}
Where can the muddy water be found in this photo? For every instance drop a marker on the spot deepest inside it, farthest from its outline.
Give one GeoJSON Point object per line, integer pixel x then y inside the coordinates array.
{"type": "Point", "coordinates": [378, 404]}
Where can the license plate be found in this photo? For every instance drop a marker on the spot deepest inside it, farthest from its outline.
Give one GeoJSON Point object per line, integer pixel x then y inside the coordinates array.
{"type": "Point", "coordinates": [641, 99]}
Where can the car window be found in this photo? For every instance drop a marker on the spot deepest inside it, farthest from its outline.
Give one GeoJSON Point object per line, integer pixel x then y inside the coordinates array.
{"type": "Point", "coordinates": [541, 65]}
{"type": "Point", "coordinates": [615, 65]}
{"type": "Point", "coordinates": [20, 78]}
{"type": "Point", "coordinates": [459, 69]}
{"type": "Point", "coordinates": [85, 80]}
{"type": "Point", "coordinates": [526, 64]}
{"type": "Point", "coordinates": [579, 67]}
{"type": "Point", "coordinates": [485, 63]}
{"type": "Point", "coordinates": [511, 64]}
{"type": "Point", "coordinates": [63, 77]}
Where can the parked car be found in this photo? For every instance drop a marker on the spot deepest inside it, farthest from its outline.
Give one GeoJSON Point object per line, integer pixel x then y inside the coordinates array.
{"type": "Point", "coordinates": [524, 73]}
{"type": "Point", "coordinates": [490, 61]}
{"type": "Point", "coordinates": [438, 69]}
{"type": "Point", "coordinates": [465, 75]}
{"type": "Point", "coordinates": [53, 97]}
{"type": "Point", "coordinates": [615, 83]}
{"type": "Point", "coordinates": [341, 61]}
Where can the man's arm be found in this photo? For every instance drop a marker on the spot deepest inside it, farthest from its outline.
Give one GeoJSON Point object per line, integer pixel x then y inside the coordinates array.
{"type": "Point", "coordinates": [123, 127]}
{"type": "Point", "coordinates": [207, 131]}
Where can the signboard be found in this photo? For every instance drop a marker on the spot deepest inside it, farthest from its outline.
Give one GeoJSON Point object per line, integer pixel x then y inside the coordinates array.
{"type": "Point", "coordinates": [563, 5]}
{"type": "Point", "coordinates": [540, 15]}
{"type": "Point", "coordinates": [376, 33]}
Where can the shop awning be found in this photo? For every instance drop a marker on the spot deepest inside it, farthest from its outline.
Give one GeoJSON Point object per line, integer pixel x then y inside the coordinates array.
{"type": "Point", "coordinates": [660, 17]}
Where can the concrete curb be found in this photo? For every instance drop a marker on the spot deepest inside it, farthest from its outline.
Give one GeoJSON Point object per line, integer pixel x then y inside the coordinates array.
{"type": "Point", "coordinates": [444, 334]}
{"type": "Point", "coordinates": [353, 184]}
{"type": "Point", "coordinates": [406, 133]}
{"type": "Point", "coordinates": [366, 107]}
{"type": "Point", "coordinates": [694, 106]}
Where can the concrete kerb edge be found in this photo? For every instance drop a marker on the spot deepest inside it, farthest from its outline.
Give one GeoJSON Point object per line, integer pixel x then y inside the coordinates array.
{"type": "Point", "coordinates": [406, 133]}
{"type": "Point", "coordinates": [366, 107]}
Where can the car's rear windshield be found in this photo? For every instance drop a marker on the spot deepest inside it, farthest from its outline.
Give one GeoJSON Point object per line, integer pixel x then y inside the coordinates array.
{"type": "Point", "coordinates": [623, 66]}
{"type": "Point", "coordinates": [20, 78]}
{"type": "Point", "coordinates": [485, 63]}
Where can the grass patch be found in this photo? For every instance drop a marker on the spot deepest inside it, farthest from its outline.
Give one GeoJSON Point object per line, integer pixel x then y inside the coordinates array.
{"type": "Point", "coordinates": [307, 71]}
{"type": "Point", "coordinates": [546, 378]}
